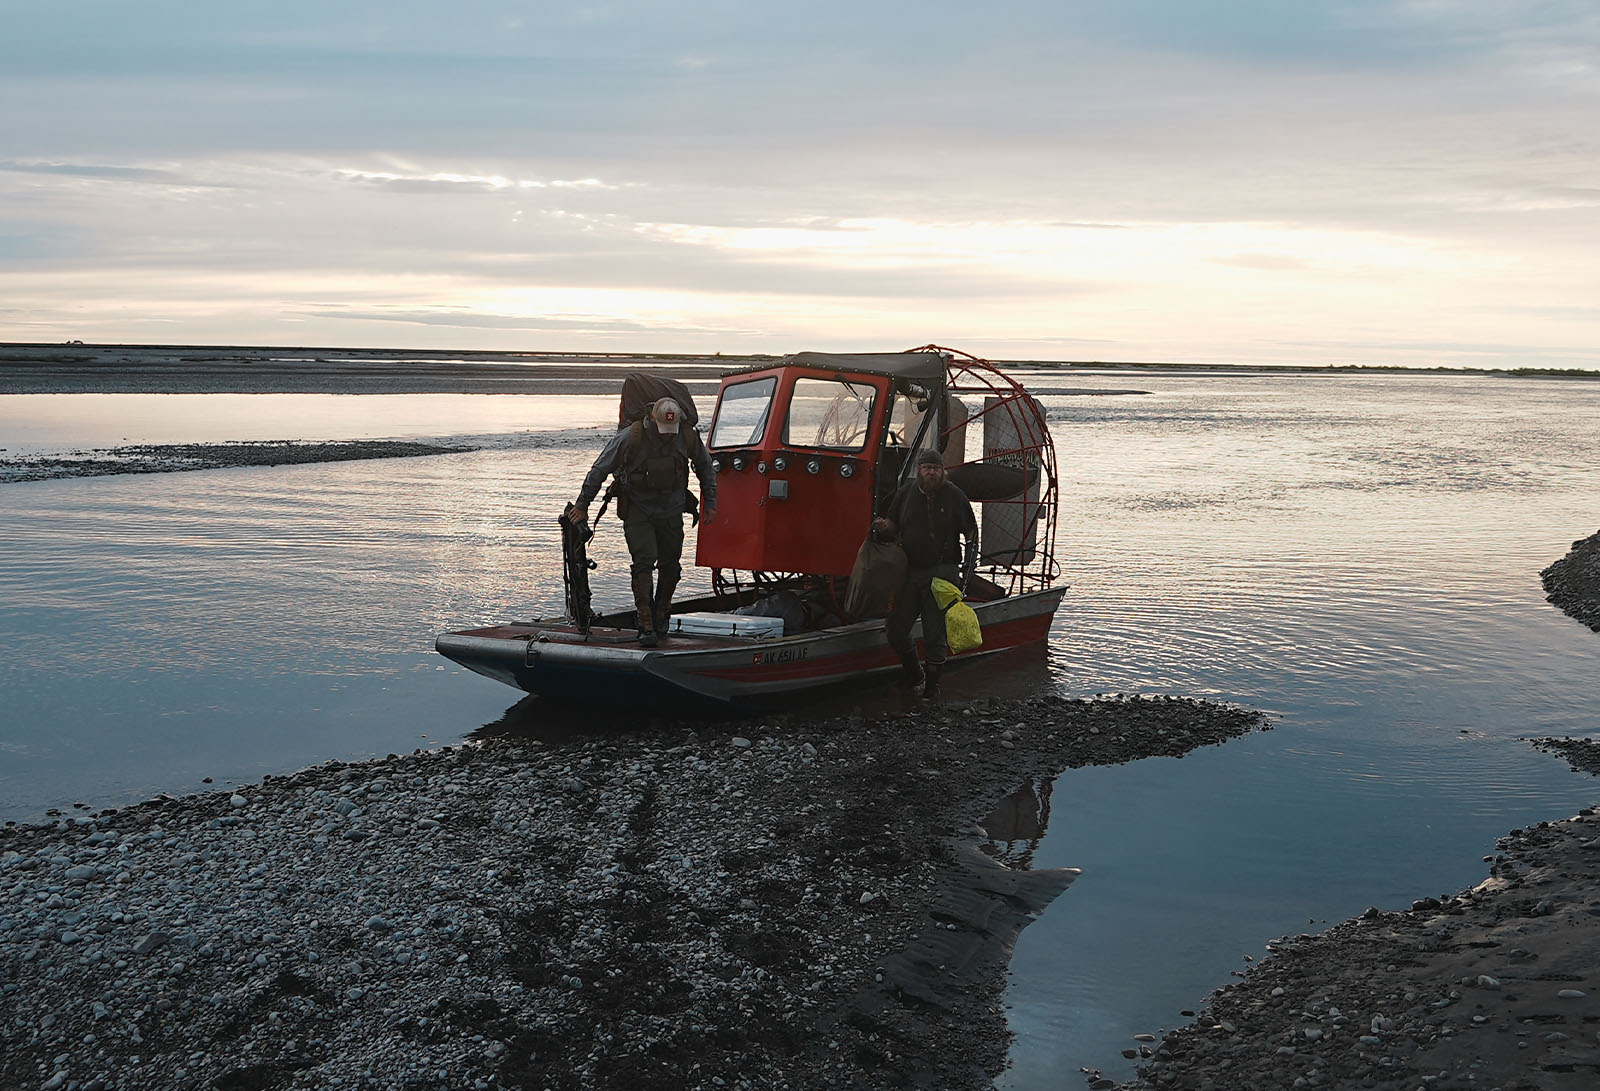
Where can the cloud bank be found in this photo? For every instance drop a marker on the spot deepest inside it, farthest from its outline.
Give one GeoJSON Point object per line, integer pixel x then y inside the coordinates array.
{"type": "Point", "coordinates": [1405, 181]}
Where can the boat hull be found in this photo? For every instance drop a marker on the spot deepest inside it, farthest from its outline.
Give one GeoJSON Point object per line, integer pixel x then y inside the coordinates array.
{"type": "Point", "coordinates": [553, 660]}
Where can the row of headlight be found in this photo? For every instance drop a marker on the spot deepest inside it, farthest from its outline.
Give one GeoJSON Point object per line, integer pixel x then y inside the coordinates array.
{"type": "Point", "coordinates": [780, 463]}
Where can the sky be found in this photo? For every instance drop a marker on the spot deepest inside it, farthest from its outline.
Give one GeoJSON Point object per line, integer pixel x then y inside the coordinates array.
{"type": "Point", "coordinates": [1380, 182]}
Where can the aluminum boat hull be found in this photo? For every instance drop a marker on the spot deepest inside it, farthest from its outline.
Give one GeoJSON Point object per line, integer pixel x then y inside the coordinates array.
{"type": "Point", "coordinates": [552, 659]}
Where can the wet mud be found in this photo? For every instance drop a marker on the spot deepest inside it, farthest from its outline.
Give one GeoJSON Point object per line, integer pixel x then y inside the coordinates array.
{"type": "Point", "coordinates": [171, 458]}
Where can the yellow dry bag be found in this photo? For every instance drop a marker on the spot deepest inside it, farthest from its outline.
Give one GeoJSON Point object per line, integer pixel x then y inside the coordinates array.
{"type": "Point", "coordinates": [961, 629]}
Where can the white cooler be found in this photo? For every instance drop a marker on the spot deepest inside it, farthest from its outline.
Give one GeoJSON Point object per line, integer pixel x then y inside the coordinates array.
{"type": "Point", "coordinates": [708, 624]}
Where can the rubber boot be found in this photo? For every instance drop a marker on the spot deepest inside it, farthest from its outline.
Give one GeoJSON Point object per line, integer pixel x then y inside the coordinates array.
{"type": "Point", "coordinates": [643, 604]}
{"type": "Point", "coordinates": [663, 606]}
{"type": "Point", "coordinates": [912, 676]}
{"type": "Point", "coordinates": [930, 691]}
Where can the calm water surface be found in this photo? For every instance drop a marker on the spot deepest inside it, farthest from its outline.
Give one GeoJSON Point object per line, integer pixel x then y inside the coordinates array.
{"type": "Point", "coordinates": [1357, 554]}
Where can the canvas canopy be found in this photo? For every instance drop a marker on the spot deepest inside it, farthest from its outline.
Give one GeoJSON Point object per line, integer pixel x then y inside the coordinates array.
{"type": "Point", "coordinates": [927, 368]}
{"type": "Point", "coordinates": [924, 367]}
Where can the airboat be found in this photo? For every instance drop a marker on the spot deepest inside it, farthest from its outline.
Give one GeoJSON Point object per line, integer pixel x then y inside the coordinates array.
{"type": "Point", "coordinates": [807, 450]}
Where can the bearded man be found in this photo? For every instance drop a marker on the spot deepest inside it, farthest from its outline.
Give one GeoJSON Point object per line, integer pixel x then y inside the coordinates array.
{"type": "Point", "coordinates": [940, 536]}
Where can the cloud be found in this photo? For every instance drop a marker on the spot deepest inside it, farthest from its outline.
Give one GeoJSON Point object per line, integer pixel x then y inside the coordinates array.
{"type": "Point", "coordinates": [100, 172]}
{"type": "Point", "coordinates": [1171, 174]}
{"type": "Point", "coordinates": [462, 323]}
{"type": "Point", "coordinates": [1260, 261]}
{"type": "Point", "coordinates": [424, 183]}
{"type": "Point", "coordinates": [472, 320]}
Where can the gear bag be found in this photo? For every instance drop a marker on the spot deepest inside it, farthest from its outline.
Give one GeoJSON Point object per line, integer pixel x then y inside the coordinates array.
{"type": "Point", "coordinates": [961, 629]}
{"type": "Point", "coordinates": [878, 576]}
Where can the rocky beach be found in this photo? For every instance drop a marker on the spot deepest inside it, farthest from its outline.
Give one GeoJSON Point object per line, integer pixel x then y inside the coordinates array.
{"type": "Point", "coordinates": [1573, 582]}
{"type": "Point", "coordinates": [765, 904]}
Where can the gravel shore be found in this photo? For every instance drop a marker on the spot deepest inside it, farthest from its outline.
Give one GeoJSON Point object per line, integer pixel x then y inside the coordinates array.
{"type": "Point", "coordinates": [1493, 987]}
{"type": "Point", "coordinates": [172, 457]}
{"type": "Point", "coordinates": [1573, 582]}
{"type": "Point", "coordinates": [772, 904]}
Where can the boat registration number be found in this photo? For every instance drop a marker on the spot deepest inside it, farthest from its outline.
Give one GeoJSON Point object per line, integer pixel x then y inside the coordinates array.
{"type": "Point", "coordinates": [779, 655]}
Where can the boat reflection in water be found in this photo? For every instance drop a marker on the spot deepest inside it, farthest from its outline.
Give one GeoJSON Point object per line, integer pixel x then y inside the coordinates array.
{"type": "Point", "coordinates": [1018, 822]}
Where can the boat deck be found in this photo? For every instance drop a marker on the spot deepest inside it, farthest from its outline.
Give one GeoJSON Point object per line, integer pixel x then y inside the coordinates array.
{"type": "Point", "coordinates": [564, 631]}
{"type": "Point", "coordinates": [553, 658]}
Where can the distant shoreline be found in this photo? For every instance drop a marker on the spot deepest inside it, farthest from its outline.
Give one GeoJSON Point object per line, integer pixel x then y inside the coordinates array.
{"type": "Point", "coordinates": [183, 369]}
{"type": "Point", "coordinates": [150, 458]}
{"type": "Point", "coordinates": [75, 368]}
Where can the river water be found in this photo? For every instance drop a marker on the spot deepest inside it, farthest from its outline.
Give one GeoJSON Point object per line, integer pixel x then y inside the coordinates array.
{"type": "Point", "coordinates": [1357, 554]}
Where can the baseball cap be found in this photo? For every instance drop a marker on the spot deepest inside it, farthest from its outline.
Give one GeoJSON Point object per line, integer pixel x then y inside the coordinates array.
{"type": "Point", "coordinates": [666, 414]}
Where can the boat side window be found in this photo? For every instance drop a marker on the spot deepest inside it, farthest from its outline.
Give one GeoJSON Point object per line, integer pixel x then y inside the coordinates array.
{"type": "Point", "coordinates": [742, 413]}
{"type": "Point", "coordinates": [904, 419]}
{"type": "Point", "coordinates": [829, 413]}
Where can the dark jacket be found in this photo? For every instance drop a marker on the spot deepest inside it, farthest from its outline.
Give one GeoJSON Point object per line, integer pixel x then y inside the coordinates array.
{"type": "Point", "coordinates": [629, 454]}
{"type": "Point", "coordinates": [932, 527]}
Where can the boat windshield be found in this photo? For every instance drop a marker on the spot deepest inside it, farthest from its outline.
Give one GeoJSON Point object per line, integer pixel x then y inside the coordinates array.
{"type": "Point", "coordinates": [829, 413]}
{"type": "Point", "coordinates": [742, 412]}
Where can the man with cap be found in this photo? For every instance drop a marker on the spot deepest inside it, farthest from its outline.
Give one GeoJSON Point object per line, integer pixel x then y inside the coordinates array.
{"type": "Point", "coordinates": [940, 536]}
{"type": "Point", "coordinates": [650, 459]}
